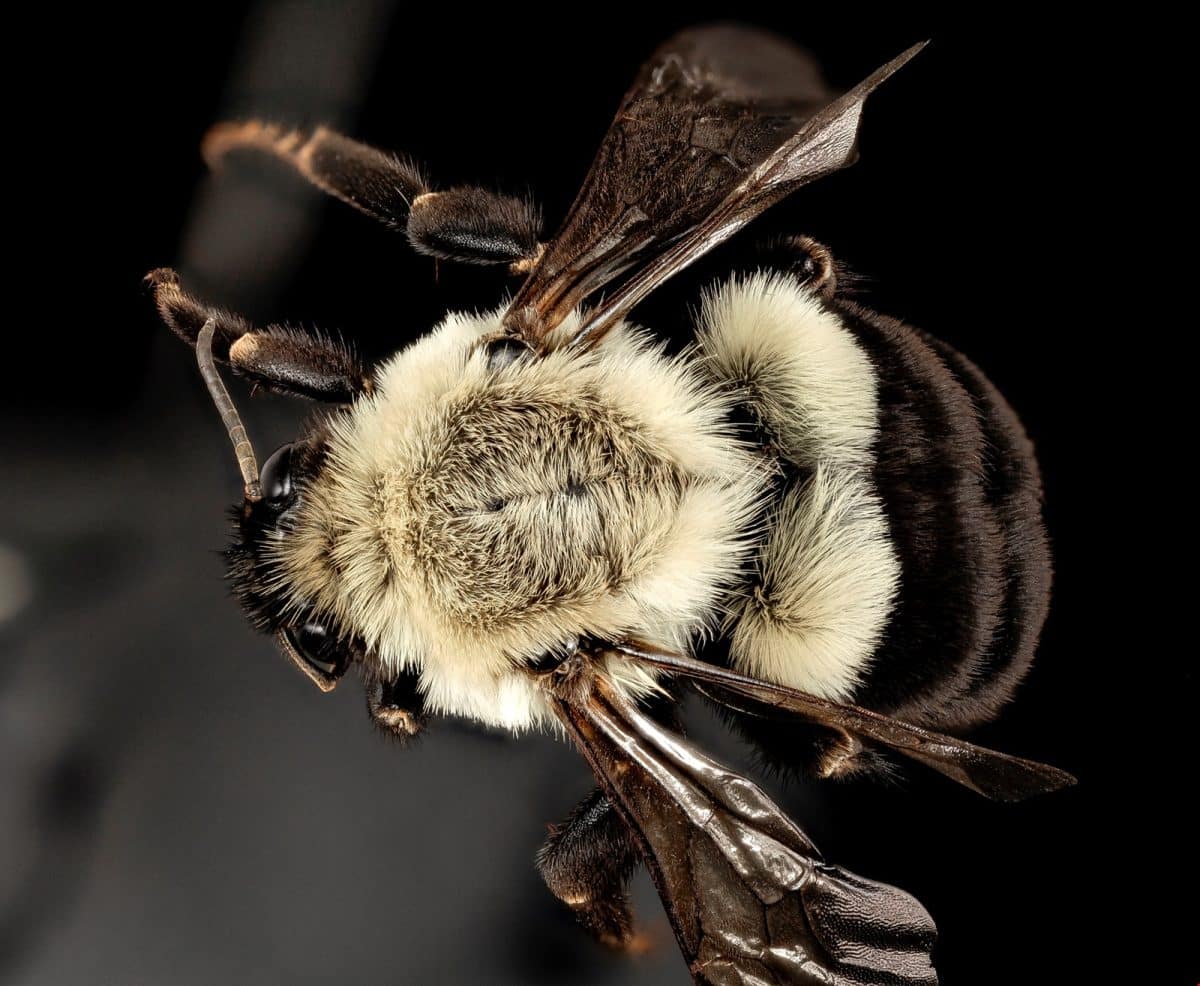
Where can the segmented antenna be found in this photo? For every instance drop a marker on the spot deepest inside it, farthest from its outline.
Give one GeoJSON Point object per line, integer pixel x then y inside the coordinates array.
{"type": "Point", "coordinates": [233, 424]}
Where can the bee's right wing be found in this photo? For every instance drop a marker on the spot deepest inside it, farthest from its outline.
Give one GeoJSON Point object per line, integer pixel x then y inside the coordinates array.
{"type": "Point", "coordinates": [720, 124]}
{"type": "Point", "coordinates": [750, 899]}
{"type": "Point", "coordinates": [994, 775]}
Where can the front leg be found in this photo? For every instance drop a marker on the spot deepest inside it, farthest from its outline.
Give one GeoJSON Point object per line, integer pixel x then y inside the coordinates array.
{"type": "Point", "coordinates": [396, 706]}
{"type": "Point", "coordinates": [586, 862]}
{"type": "Point", "coordinates": [281, 359]}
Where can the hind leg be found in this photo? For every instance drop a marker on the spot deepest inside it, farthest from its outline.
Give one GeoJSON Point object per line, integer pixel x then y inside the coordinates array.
{"type": "Point", "coordinates": [809, 261]}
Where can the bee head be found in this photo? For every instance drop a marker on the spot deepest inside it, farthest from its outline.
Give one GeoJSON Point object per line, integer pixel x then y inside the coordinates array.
{"type": "Point", "coordinates": [270, 498]}
{"type": "Point", "coordinates": [311, 640]}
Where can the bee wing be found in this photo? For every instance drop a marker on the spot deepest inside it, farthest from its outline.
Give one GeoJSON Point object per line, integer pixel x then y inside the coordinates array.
{"type": "Point", "coordinates": [749, 896]}
{"type": "Point", "coordinates": [994, 775]}
{"type": "Point", "coordinates": [721, 123]}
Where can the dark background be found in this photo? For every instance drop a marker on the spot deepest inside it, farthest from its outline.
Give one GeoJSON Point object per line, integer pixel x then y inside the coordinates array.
{"type": "Point", "coordinates": [180, 807]}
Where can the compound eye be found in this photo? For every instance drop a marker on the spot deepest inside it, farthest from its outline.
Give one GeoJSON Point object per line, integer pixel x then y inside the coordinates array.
{"type": "Point", "coordinates": [316, 652]}
{"type": "Point", "coordinates": [503, 351]}
{"type": "Point", "coordinates": [276, 475]}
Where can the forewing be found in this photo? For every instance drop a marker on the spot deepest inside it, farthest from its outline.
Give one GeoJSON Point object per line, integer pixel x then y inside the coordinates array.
{"type": "Point", "coordinates": [710, 105]}
{"type": "Point", "coordinates": [750, 899]}
{"type": "Point", "coordinates": [994, 775]}
{"type": "Point", "coordinates": [826, 143]}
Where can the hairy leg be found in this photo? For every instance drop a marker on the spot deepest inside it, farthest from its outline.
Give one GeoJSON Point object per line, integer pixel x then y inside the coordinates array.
{"type": "Point", "coordinates": [396, 707]}
{"type": "Point", "coordinates": [279, 358]}
{"type": "Point", "coordinates": [809, 261]}
{"type": "Point", "coordinates": [467, 224]}
{"type": "Point", "coordinates": [587, 862]}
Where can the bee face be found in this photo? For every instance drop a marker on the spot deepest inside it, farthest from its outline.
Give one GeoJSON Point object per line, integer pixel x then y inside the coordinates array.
{"type": "Point", "coordinates": [312, 640]}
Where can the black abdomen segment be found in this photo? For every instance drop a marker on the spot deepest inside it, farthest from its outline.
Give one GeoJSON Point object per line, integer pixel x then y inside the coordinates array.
{"type": "Point", "coordinates": [1013, 486]}
{"type": "Point", "coordinates": [962, 493]}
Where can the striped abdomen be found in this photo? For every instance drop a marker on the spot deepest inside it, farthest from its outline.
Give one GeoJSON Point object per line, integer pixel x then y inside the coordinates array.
{"type": "Point", "coordinates": [962, 492]}
{"type": "Point", "coordinates": [905, 565]}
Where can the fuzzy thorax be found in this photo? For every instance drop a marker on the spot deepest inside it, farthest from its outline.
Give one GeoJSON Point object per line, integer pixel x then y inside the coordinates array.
{"type": "Point", "coordinates": [470, 519]}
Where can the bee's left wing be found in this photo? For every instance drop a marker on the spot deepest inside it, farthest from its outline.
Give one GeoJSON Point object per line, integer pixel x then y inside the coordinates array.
{"type": "Point", "coordinates": [749, 896]}
{"type": "Point", "coordinates": [721, 123]}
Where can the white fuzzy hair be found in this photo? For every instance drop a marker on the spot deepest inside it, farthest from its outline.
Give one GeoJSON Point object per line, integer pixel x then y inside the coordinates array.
{"type": "Point", "coordinates": [795, 361]}
{"type": "Point", "coordinates": [828, 577]}
{"type": "Point", "coordinates": [828, 573]}
{"type": "Point", "coordinates": [470, 519]}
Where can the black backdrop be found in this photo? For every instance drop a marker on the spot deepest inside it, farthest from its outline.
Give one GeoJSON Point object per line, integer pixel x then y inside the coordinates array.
{"type": "Point", "coordinates": [185, 809]}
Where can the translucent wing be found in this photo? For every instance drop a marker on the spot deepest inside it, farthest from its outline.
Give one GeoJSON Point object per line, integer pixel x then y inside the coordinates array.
{"type": "Point", "coordinates": [721, 120]}
{"type": "Point", "coordinates": [749, 896]}
{"type": "Point", "coordinates": [994, 775]}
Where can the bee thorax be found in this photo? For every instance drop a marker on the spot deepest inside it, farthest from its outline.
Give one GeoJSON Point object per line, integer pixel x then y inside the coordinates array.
{"type": "Point", "coordinates": [473, 516]}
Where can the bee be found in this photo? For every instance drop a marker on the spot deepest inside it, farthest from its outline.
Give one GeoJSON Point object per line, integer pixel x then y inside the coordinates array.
{"type": "Point", "coordinates": [535, 518]}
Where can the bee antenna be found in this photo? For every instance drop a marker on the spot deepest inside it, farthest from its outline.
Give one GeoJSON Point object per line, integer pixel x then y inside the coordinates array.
{"type": "Point", "coordinates": [233, 423]}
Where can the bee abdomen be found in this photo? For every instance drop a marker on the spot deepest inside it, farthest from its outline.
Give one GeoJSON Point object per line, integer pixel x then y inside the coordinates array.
{"type": "Point", "coordinates": [904, 564]}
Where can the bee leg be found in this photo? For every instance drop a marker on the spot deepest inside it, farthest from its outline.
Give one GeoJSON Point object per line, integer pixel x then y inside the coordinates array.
{"type": "Point", "coordinates": [806, 259]}
{"type": "Point", "coordinates": [396, 707]}
{"type": "Point", "coordinates": [839, 754]}
{"type": "Point", "coordinates": [467, 224]}
{"type": "Point", "coordinates": [586, 862]}
{"type": "Point", "coordinates": [281, 359]}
